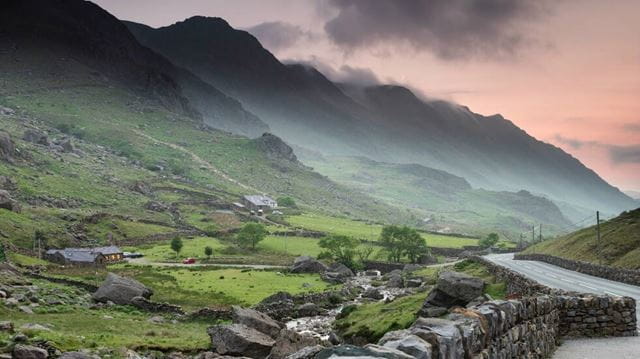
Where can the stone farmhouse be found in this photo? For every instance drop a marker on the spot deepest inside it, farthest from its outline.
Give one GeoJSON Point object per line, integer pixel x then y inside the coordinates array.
{"type": "Point", "coordinates": [95, 256]}
{"type": "Point", "coordinates": [259, 202]}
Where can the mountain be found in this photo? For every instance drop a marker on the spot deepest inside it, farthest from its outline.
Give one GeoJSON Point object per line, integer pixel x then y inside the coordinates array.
{"type": "Point", "coordinates": [446, 202]}
{"type": "Point", "coordinates": [68, 34]}
{"type": "Point", "coordinates": [619, 246]}
{"type": "Point", "coordinates": [384, 123]}
{"type": "Point", "coordinates": [633, 194]}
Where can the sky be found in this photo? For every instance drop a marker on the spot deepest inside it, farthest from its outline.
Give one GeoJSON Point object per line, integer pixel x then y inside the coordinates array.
{"type": "Point", "coordinates": [566, 71]}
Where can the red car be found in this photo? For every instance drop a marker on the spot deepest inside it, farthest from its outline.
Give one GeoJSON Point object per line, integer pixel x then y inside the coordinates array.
{"type": "Point", "coordinates": [189, 261]}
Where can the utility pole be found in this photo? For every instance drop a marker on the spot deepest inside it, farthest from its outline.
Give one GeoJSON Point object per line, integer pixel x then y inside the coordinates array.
{"type": "Point", "coordinates": [533, 234]}
{"type": "Point", "coordinates": [520, 245]}
{"type": "Point", "coordinates": [598, 234]}
{"type": "Point", "coordinates": [540, 233]}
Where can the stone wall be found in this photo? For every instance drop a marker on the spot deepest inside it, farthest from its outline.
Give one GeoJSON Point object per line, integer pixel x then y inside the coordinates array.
{"type": "Point", "coordinates": [580, 314]}
{"type": "Point", "coordinates": [617, 274]}
{"type": "Point", "coordinates": [383, 267]}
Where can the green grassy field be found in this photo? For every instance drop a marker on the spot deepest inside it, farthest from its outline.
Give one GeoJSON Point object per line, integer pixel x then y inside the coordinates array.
{"type": "Point", "coordinates": [619, 247]}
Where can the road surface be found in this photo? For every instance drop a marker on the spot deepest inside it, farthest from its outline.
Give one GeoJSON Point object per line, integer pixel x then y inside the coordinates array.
{"type": "Point", "coordinates": [556, 277]}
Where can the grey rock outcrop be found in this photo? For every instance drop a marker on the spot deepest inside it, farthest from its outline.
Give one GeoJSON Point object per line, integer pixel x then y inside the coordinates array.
{"type": "Point", "coordinates": [7, 202]}
{"type": "Point", "coordinates": [37, 137]}
{"type": "Point", "coordinates": [290, 342]}
{"type": "Point", "coordinates": [452, 289]}
{"type": "Point", "coordinates": [306, 264]}
{"type": "Point", "coordinates": [29, 352]}
{"type": "Point", "coordinates": [7, 147]}
{"type": "Point", "coordinates": [120, 290]}
{"type": "Point", "coordinates": [337, 273]}
{"type": "Point", "coordinates": [240, 340]}
{"type": "Point", "coordinates": [307, 353]}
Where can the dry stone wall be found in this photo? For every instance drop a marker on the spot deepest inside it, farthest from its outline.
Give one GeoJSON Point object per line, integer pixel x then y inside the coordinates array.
{"type": "Point", "coordinates": [628, 276]}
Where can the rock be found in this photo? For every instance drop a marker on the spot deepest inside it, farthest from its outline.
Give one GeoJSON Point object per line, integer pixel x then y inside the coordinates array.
{"type": "Point", "coordinates": [278, 306]}
{"type": "Point", "coordinates": [408, 268]}
{"type": "Point", "coordinates": [289, 342]}
{"type": "Point", "coordinates": [25, 309]}
{"type": "Point", "coordinates": [442, 334]}
{"type": "Point", "coordinates": [432, 311]}
{"type": "Point", "coordinates": [37, 137]}
{"type": "Point", "coordinates": [479, 300]}
{"type": "Point", "coordinates": [373, 293]}
{"type": "Point", "coordinates": [306, 264]}
{"type": "Point", "coordinates": [67, 146]}
{"type": "Point", "coordinates": [6, 326]}
{"type": "Point", "coordinates": [335, 339]}
{"type": "Point", "coordinates": [337, 273]}
{"type": "Point", "coordinates": [34, 327]}
{"type": "Point", "coordinates": [7, 183]}
{"type": "Point", "coordinates": [452, 289]}
{"type": "Point", "coordinates": [413, 283]}
{"type": "Point", "coordinates": [239, 339]}
{"type": "Point", "coordinates": [120, 290]}
{"type": "Point", "coordinates": [308, 310]}
{"type": "Point", "coordinates": [156, 206]}
{"type": "Point", "coordinates": [141, 188]}
{"type": "Point", "coordinates": [11, 302]}
{"type": "Point", "coordinates": [427, 259]}
{"type": "Point", "coordinates": [7, 202]}
{"type": "Point", "coordinates": [372, 273]}
{"type": "Point", "coordinates": [29, 352]}
{"type": "Point", "coordinates": [256, 320]}
{"type": "Point", "coordinates": [7, 148]}
{"type": "Point", "coordinates": [156, 319]}
{"type": "Point", "coordinates": [306, 353]}
{"type": "Point", "coordinates": [395, 281]}
{"type": "Point", "coordinates": [352, 352]}
{"type": "Point", "coordinates": [386, 352]}
{"type": "Point", "coordinates": [275, 148]}
{"type": "Point", "coordinates": [412, 345]}
{"type": "Point", "coordinates": [78, 355]}
{"type": "Point", "coordinates": [6, 111]}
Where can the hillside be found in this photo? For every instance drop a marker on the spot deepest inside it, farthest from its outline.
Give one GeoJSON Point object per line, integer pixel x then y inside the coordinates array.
{"type": "Point", "coordinates": [384, 123]}
{"type": "Point", "coordinates": [100, 144]}
{"type": "Point", "coordinates": [446, 201]}
{"type": "Point", "coordinates": [620, 246]}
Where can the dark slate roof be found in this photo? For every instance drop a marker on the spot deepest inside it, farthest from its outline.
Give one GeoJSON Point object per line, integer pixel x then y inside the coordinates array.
{"type": "Point", "coordinates": [84, 254]}
{"type": "Point", "coordinates": [260, 200]}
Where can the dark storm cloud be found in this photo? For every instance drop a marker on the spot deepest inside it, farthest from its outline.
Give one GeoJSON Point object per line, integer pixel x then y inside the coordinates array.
{"type": "Point", "coordinates": [279, 35]}
{"type": "Point", "coordinates": [451, 29]}
{"type": "Point", "coordinates": [625, 154]}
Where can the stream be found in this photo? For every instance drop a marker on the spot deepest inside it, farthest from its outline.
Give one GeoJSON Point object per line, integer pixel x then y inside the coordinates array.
{"type": "Point", "coordinates": [321, 325]}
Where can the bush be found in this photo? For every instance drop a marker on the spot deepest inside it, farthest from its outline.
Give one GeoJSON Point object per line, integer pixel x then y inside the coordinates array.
{"type": "Point", "coordinates": [286, 202]}
{"type": "Point", "coordinates": [489, 241]}
{"type": "Point", "coordinates": [341, 249]}
{"type": "Point", "coordinates": [250, 235]}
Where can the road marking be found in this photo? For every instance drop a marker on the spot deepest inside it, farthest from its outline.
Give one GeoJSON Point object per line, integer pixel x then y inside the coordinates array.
{"type": "Point", "coordinates": [587, 286]}
{"type": "Point", "coordinates": [614, 294]}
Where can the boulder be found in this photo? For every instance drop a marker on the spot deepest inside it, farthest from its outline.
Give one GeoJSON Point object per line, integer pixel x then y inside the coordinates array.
{"type": "Point", "coordinates": [156, 206]}
{"type": "Point", "coordinates": [7, 147]}
{"type": "Point", "coordinates": [278, 306]}
{"type": "Point", "coordinates": [240, 340]}
{"type": "Point", "coordinates": [29, 352]}
{"type": "Point", "coordinates": [337, 273]}
{"type": "Point", "coordinates": [7, 183]}
{"type": "Point", "coordinates": [37, 137]}
{"type": "Point", "coordinates": [452, 289]}
{"type": "Point", "coordinates": [442, 334]}
{"type": "Point", "coordinates": [350, 351]}
{"type": "Point", "coordinates": [395, 281]}
{"type": "Point", "coordinates": [460, 285]}
{"type": "Point", "coordinates": [7, 111]}
{"type": "Point", "coordinates": [256, 320]}
{"type": "Point", "coordinates": [6, 326]}
{"type": "Point", "coordinates": [67, 146]}
{"type": "Point", "coordinates": [308, 310]}
{"type": "Point", "coordinates": [413, 283]}
{"type": "Point", "coordinates": [289, 342]}
{"type": "Point", "coordinates": [306, 353]}
{"type": "Point", "coordinates": [306, 264]}
{"type": "Point", "coordinates": [7, 202]}
{"type": "Point", "coordinates": [412, 345]}
{"type": "Point", "coordinates": [386, 352]}
{"type": "Point", "coordinates": [120, 290]}
{"type": "Point", "coordinates": [141, 187]}
{"type": "Point", "coordinates": [373, 293]}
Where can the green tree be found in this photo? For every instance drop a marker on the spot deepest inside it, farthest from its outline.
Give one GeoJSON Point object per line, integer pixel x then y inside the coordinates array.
{"type": "Point", "coordinates": [399, 242]}
{"type": "Point", "coordinates": [341, 249]}
{"type": "Point", "coordinates": [250, 235]}
{"type": "Point", "coordinates": [176, 245]}
{"type": "Point", "coordinates": [489, 241]}
{"type": "Point", "coordinates": [208, 251]}
{"type": "Point", "coordinates": [286, 202]}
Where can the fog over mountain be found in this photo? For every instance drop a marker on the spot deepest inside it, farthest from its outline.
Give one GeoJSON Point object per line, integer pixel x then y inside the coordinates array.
{"type": "Point", "coordinates": [385, 123]}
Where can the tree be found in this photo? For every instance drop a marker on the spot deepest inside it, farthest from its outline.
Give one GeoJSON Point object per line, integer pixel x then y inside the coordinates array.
{"type": "Point", "coordinates": [250, 235]}
{"type": "Point", "coordinates": [286, 202]}
{"type": "Point", "coordinates": [176, 245]}
{"type": "Point", "coordinates": [208, 251]}
{"type": "Point", "coordinates": [364, 252]}
{"type": "Point", "coordinates": [403, 241]}
{"type": "Point", "coordinates": [489, 241]}
{"type": "Point", "coordinates": [339, 248]}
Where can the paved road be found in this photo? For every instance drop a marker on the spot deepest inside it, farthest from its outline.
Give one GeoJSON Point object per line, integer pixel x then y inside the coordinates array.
{"type": "Point", "coordinates": [556, 277]}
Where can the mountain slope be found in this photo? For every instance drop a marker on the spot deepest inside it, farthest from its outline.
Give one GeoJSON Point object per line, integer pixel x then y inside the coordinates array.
{"type": "Point", "coordinates": [384, 123]}
{"type": "Point", "coordinates": [80, 32]}
{"type": "Point", "coordinates": [619, 247]}
{"type": "Point", "coordinates": [448, 202]}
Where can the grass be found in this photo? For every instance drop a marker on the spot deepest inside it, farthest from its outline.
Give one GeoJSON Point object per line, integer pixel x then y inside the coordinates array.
{"type": "Point", "coordinates": [23, 260]}
{"type": "Point", "coordinates": [368, 231]}
{"type": "Point", "coordinates": [370, 321]}
{"type": "Point", "coordinates": [619, 247]}
{"type": "Point", "coordinates": [160, 252]}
